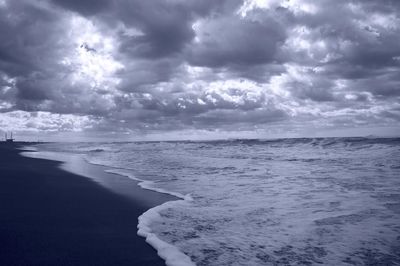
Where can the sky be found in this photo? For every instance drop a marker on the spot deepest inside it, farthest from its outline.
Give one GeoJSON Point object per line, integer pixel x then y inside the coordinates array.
{"type": "Point", "coordinates": [188, 69]}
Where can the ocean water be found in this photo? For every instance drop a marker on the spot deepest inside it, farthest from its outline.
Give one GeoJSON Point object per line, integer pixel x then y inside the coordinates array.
{"type": "Point", "coordinates": [330, 201]}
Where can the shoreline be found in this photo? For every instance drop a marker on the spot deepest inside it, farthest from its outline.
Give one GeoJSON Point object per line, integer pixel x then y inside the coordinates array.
{"type": "Point", "coordinates": [50, 216]}
{"type": "Point", "coordinates": [108, 177]}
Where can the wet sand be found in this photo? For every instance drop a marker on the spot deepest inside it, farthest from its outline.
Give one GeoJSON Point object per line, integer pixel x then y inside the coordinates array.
{"type": "Point", "coordinates": [49, 216]}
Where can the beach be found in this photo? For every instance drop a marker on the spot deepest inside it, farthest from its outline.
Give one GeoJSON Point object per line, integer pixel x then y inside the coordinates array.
{"type": "Point", "coordinates": [233, 202]}
{"type": "Point", "coordinates": [256, 202]}
{"type": "Point", "coordinates": [49, 216]}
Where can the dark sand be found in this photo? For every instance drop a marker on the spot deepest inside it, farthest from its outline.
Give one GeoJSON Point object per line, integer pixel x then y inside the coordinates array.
{"type": "Point", "coordinates": [52, 217]}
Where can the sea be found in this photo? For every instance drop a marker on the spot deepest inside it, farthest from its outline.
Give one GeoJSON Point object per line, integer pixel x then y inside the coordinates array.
{"type": "Point", "coordinates": [300, 201]}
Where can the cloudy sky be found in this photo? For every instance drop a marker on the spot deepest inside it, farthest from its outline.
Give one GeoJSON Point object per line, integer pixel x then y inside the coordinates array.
{"type": "Point", "coordinates": [131, 69]}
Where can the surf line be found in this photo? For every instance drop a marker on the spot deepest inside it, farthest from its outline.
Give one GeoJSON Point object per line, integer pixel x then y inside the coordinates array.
{"type": "Point", "coordinates": [170, 253]}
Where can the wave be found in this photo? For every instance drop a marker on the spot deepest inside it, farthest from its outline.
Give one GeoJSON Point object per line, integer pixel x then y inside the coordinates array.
{"type": "Point", "coordinates": [171, 254]}
{"type": "Point", "coordinates": [149, 185]}
{"type": "Point", "coordinates": [241, 202]}
{"type": "Point", "coordinates": [322, 142]}
{"type": "Point", "coordinates": [97, 150]}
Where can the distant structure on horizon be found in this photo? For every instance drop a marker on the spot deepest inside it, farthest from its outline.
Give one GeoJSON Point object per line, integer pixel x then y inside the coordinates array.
{"type": "Point", "coordinates": [9, 139]}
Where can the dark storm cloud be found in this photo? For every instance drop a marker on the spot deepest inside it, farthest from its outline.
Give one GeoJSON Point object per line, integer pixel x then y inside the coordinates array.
{"type": "Point", "coordinates": [167, 65]}
{"type": "Point", "coordinates": [228, 40]}
{"type": "Point", "coordinates": [140, 73]}
{"type": "Point", "coordinates": [26, 33]}
{"type": "Point", "coordinates": [85, 7]}
{"type": "Point", "coordinates": [383, 86]}
{"type": "Point", "coordinates": [29, 43]}
{"type": "Point", "coordinates": [226, 118]}
{"type": "Point", "coordinates": [32, 89]}
{"type": "Point", "coordinates": [318, 91]}
{"type": "Point", "coordinates": [166, 26]}
{"type": "Point", "coordinates": [361, 47]}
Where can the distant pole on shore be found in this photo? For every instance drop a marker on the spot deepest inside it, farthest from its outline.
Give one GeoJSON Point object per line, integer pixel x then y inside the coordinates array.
{"type": "Point", "coordinates": [9, 140]}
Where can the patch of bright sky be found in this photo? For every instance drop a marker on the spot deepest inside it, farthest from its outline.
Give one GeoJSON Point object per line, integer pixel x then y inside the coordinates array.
{"type": "Point", "coordinates": [92, 60]}
{"type": "Point", "coordinates": [385, 21]}
{"type": "Point", "coordinates": [235, 91]}
{"type": "Point", "coordinates": [128, 31]}
{"type": "Point", "coordinates": [196, 28]}
{"type": "Point", "coordinates": [5, 105]}
{"type": "Point", "coordinates": [8, 82]}
{"type": "Point", "coordinates": [296, 6]}
{"type": "Point", "coordinates": [44, 121]}
{"type": "Point", "coordinates": [300, 6]}
{"type": "Point", "coordinates": [197, 72]}
{"type": "Point", "coordinates": [277, 84]}
{"type": "Point", "coordinates": [300, 40]}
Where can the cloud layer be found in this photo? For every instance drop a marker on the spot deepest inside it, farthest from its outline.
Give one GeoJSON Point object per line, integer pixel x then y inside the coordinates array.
{"type": "Point", "coordinates": [226, 66]}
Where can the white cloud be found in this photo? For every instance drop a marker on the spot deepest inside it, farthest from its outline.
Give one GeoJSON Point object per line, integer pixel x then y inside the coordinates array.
{"type": "Point", "coordinates": [45, 121]}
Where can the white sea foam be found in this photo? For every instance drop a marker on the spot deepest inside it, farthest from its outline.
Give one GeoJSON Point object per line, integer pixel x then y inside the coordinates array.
{"type": "Point", "coordinates": [171, 254]}
{"type": "Point", "coordinates": [28, 148]}
{"type": "Point", "coordinates": [305, 201]}
{"type": "Point", "coordinates": [149, 185]}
